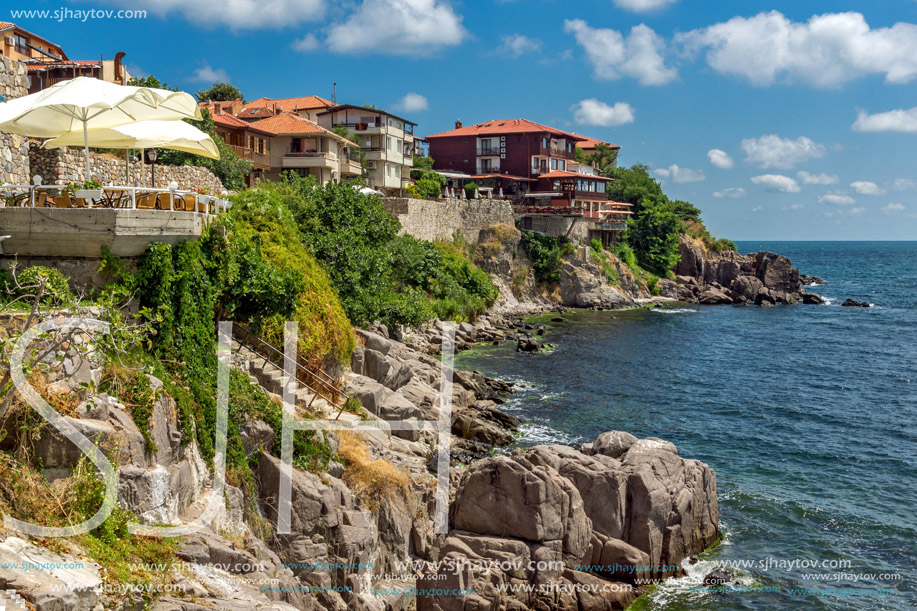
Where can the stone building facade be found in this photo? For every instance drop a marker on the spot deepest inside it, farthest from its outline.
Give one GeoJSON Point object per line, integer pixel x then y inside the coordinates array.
{"type": "Point", "coordinates": [14, 150]}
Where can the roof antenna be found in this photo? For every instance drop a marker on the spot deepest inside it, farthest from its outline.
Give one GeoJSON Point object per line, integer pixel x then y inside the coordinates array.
{"type": "Point", "coordinates": [334, 95]}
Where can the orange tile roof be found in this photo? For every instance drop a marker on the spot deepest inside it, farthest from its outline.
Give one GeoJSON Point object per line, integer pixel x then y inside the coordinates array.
{"type": "Point", "coordinates": [565, 174]}
{"type": "Point", "coordinates": [506, 126]}
{"type": "Point", "coordinates": [589, 143]}
{"type": "Point", "coordinates": [291, 104]}
{"type": "Point", "coordinates": [5, 25]}
{"type": "Point", "coordinates": [289, 123]}
{"type": "Point", "coordinates": [231, 121]}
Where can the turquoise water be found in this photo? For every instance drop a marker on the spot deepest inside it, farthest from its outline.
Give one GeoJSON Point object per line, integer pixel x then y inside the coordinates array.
{"type": "Point", "coordinates": [807, 414]}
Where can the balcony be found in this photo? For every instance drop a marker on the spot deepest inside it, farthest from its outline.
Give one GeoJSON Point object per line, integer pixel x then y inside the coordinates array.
{"type": "Point", "coordinates": [487, 150]}
{"type": "Point", "coordinates": [311, 159]}
{"type": "Point", "coordinates": [241, 151]}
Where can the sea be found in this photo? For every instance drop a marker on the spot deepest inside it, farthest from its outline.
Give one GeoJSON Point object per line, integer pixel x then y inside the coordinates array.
{"type": "Point", "coordinates": [808, 415]}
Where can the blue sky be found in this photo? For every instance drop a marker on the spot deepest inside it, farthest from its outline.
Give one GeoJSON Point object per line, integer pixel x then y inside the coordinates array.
{"type": "Point", "coordinates": [780, 120]}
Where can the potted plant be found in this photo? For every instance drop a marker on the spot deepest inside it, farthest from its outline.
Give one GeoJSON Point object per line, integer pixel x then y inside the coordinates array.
{"type": "Point", "coordinates": [91, 189]}
{"type": "Point", "coordinates": [471, 190]}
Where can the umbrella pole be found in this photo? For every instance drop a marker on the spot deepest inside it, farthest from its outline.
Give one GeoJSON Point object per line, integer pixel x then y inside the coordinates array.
{"type": "Point", "coordinates": [86, 150]}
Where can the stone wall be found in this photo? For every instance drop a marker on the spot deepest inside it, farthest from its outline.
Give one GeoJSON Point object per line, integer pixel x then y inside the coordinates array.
{"type": "Point", "coordinates": [65, 165]}
{"type": "Point", "coordinates": [14, 150]}
{"type": "Point", "coordinates": [440, 219]}
{"type": "Point", "coordinates": [575, 228]}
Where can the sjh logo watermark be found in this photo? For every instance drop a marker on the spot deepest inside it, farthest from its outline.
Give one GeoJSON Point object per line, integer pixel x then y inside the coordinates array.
{"type": "Point", "coordinates": [442, 427]}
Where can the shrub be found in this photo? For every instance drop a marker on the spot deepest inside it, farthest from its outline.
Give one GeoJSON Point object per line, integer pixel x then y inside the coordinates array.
{"type": "Point", "coordinates": [49, 281]}
{"type": "Point", "coordinates": [546, 253]}
{"type": "Point", "coordinates": [653, 234]}
{"type": "Point", "coordinates": [470, 190]}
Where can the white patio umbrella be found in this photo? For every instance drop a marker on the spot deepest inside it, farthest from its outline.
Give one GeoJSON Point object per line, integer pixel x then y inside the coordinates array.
{"type": "Point", "coordinates": [85, 103]}
{"type": "Point", "coordinates": [176, 135]}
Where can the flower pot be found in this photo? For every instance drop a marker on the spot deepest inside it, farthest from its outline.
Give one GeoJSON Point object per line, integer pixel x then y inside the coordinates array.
{"type": "Point", "coordinates": [88, 193]}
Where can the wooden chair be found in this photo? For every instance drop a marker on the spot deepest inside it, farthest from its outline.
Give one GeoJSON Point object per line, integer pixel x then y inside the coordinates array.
{"type": "Point", "coordinates": [190, 201]}
{"type": "Point", "coordinates": [63, 200]}
{"type": "Point", "coordinates": [41, 200]}
{"type": "Point", "coordinates": [202, 207]}
{"type": "Point", "coordinates": [147, 201]}
{"type": "Point", "coordinates": [163, 202]}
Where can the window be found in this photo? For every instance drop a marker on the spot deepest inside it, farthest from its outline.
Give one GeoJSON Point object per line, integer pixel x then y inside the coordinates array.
{"type": "Point", "coordinates": [388, 169]}
{"type": "Point", "coordinates": [389, 121]}
{"type": "Point", "coordinates": [397, 171]}
{"type": "Point", "coordinates": [388, 143]}
{"type": "Point", "coordinates": [544, 143]}
{"type": "Point", "coordinates": [261, 146]}
{"type": "Point", "coordinates": [251, 142]}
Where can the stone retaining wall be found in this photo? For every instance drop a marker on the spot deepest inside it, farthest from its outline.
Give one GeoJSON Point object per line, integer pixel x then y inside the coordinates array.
{"type": "Point", "coordinates": [65, 165]}
{"type": "Point", "coordinates": [440, 219]}
{"type": "Point", "coordinates": [575, 228]}
{"type": "Point", "coordinates": [14, 150]}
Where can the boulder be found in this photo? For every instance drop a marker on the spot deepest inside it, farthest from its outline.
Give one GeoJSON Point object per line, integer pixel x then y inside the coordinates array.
{"type": "Point", "coordinates": [776, 272]}
{"type": "Point", "coordinates": [812, 299]}
{"type": "Point", "coordinates": [714, 296]}
{"type": "Point", "coordinates": [747, 287]}
{"type": "Point", "coordinates": [506, 497]}
{"type": "Point", "coordinates": [853, 303]}
{"type": "Point", "coordinates": [257, 435]}
{"type": "Point", "coordinates": [583, 286]}
{"type": "Point", "coordinates": [691, 260]}
{"type": "Point", "coordinates": [527, 344]}
{"type": "Point", "coordinates": [613, 443]}
{"type": "Point", "coordinates": [667, 288]}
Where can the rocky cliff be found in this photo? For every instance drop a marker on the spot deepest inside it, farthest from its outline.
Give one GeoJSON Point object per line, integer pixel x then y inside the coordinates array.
{"type": "Point", "coordinates": [763, 278]}
{"type": "Point", "coordinates": [575, 527]}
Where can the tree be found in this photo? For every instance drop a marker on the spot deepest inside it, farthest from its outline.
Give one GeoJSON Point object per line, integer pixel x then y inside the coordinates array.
{"type": "Point", "coordinates": [423, 162]}
{"type": "Point", "coordinates": [150, 81]}
{"type": "Point", "coordinates": [653, 234]}
{"type": "Point", "coordinates": [604, 157]}
{"type": "Point", "coordinates": [219, 92]}
{"type": "Point", "coordinates": [686, 211]}
{"type": "Point", "coordinates": [634, 185]}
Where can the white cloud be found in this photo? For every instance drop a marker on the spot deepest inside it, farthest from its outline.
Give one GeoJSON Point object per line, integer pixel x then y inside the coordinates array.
{"type": "Point", "coordinates": [397, 27]}
{"type": "Point", "coordinates": [899, 120]}
{"type": "Point", "coordinates": [757, 209]}
{"type": "Point", "coordinates": [864, 187]}
{"type": "Point", "coordinates": [517, 45]}
{"type": "Point", "coordinates": [836, 199]}
{"type": "Point", "coordinates": [891, 208]}
{"type": "Point", "coordinates": [680, 175]}
{"type": "Point", "coordinates": [412, 102]}
{"type": "Point", "coordinates": [731, 192]}
{"type": "Point", "coordinates": [595, 112]}
{"type": "Point", "coordinates": [817, 179]}
{"type": "Point", "coordinates": [307, 43]}
{"type": "Point", "coordinates": [643, 6]}
{"type": "Point", "coordinates": [639, 55]}
{"type": "Point", "coordinates": [856, 211]}
{"type": "Point", "coordinates": [794, 207]}
{"type": "Point", "coordinates": [241, 14]}
{"type": "Point", "coordinates": [777, 182]}
{"type": "Point", "coordinates": [903, 184]}
{"type": "Point", "coordinates": [206, 74]}
{"type": "Point", "coordinates": [719, 159]}
{"type": "Point", "coordinates": [826, 51]}
{"type": "Point", "coordinates": [772, 151]}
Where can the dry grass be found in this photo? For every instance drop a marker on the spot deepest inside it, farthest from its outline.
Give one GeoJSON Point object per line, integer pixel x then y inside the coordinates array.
{"type": "Point", "coordinates": [375, 482]}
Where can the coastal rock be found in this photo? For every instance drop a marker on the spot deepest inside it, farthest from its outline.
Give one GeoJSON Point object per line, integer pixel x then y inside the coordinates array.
{"type": "Point", "coordinates": [853, 303]}
{"type": "Point", "coordinates": [613, 443]}
{"type": "Point", "coordinates": [776, 272]}
{"type": "Point", "coordinates": [527, 344]}
{"type": "Point", "coordinates": [667, 288]}
{"type": "Point", "coordinates": [746, 287]}
{"type": "Point", "coordinates": [691, 261]}
{"type": "Point", "coordinates": [583, 286]}
{"type": "Point", "coordinates": [812, 298]}
{"type": "Point", "coordinates": [714, 296]}
{"type": "Point", "coordinates": [810, 280]}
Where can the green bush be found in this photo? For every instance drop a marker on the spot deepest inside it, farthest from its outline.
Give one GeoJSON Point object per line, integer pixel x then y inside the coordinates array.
{"type": "Point", "coordinates": [470, 190]}
{"type": "Point", "coordinates": [723, 245]}
{"type": "Point", "coordinates": [546, 253]}
{"type": "Point", "coordinates": [653, 234]}
{"type": "Point", "coordinates": [49, 281]}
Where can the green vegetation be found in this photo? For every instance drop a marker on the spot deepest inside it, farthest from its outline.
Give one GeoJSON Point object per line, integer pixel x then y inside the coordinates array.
{"type": "Point", "coordinates": [653, 230]}
{"type": "Point", "coordinates": [50, 282]}
{"type": "Point", "coordinates": [470, 190]}
{"type": "Point", "coordinates": [427, 184]}
{"type": "Point", "coordinates": [219, 92]}
{"type": "Point", "coordinates": [377, 274]}
{"type": "Point", "coordinates": [598, 257]}
{"type": "Point", "coordinates": [546, 253]}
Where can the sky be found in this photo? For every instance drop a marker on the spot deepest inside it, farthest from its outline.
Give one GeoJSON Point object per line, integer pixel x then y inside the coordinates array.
{"type": "Point", "coordinates": [779, 120]}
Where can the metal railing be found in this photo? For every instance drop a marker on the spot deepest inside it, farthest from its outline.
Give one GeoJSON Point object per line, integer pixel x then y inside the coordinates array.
{"type": "Point", "coordinates": [112, 196]}
{"type": "Point", "coordinates": [318, 382]}
{"type": "Point", "coordinates": [326, 155]}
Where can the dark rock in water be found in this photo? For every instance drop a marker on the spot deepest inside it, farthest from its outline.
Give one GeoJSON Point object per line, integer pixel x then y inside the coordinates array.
{"type": "Point", "coordinates": [539, 331]}
{"type": "Point", "coordinates": [810, 279]}
{"type": "Point", "coordinates": [558, 319]}
{"type": "Point", "coordinates": [692, 560]}
{"type": "Point", "coordinates": [765, 298]}
{"type": "Point", "coordinates": [812, 299]}
{"type": "Point", "coordinates": [527, 344]}
{"type": "Point", "coordinates": [853, 303]}
{"type": "Point", "coordinates": [718, 577]}
{"type": "Point", "coordinates": [714, 296]}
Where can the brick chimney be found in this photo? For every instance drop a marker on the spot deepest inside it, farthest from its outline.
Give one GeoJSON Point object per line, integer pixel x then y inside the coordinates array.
{"type": "Point", "coordinates": [458, 124]}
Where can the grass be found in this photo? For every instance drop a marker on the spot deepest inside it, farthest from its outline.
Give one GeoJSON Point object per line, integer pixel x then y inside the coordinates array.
{"type": "Point", "coordinates": [375, 482]}
{"type": "Point", "coordinates": [132, 388]}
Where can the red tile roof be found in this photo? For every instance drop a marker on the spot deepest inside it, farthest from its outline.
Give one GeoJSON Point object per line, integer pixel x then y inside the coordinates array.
{"type": "Point", "coordinates": [5, 25]}
{"type": "Point", "coordinates": [589, 143]}
{"type": "Point", "coordinates": [289, 123]}
{"type": "Point", "coordinates": [256, 113]}
{"type": "Point", "coordinates": [565, 174]}
{"type": "Point", "coordinates": [308, 102]}
{"type": "Point", "coordinates": [507, 126]}
{"type": "Point", "coordinates": [231, 121]}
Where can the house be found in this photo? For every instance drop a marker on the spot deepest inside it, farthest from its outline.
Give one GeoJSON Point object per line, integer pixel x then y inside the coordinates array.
{"type": "Point", "coordinates": [386, 141]}
{"type": "Point", "coordinates": [21, 45]}
{"type": "Point", "coordinates": [306, 106]}
{"type": "Point", "coordinates": [47, 63]}
{"type": "Point", "coordinates": [303, 146]}
{"type": "Point", "coordinates": [534, 165]}
{"type": "Point", "coordinates": [223, 107]}
{"type": "Point", "coordinates": [248, 141]}
{"type": "Point", "coordinates": [590, 146]}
